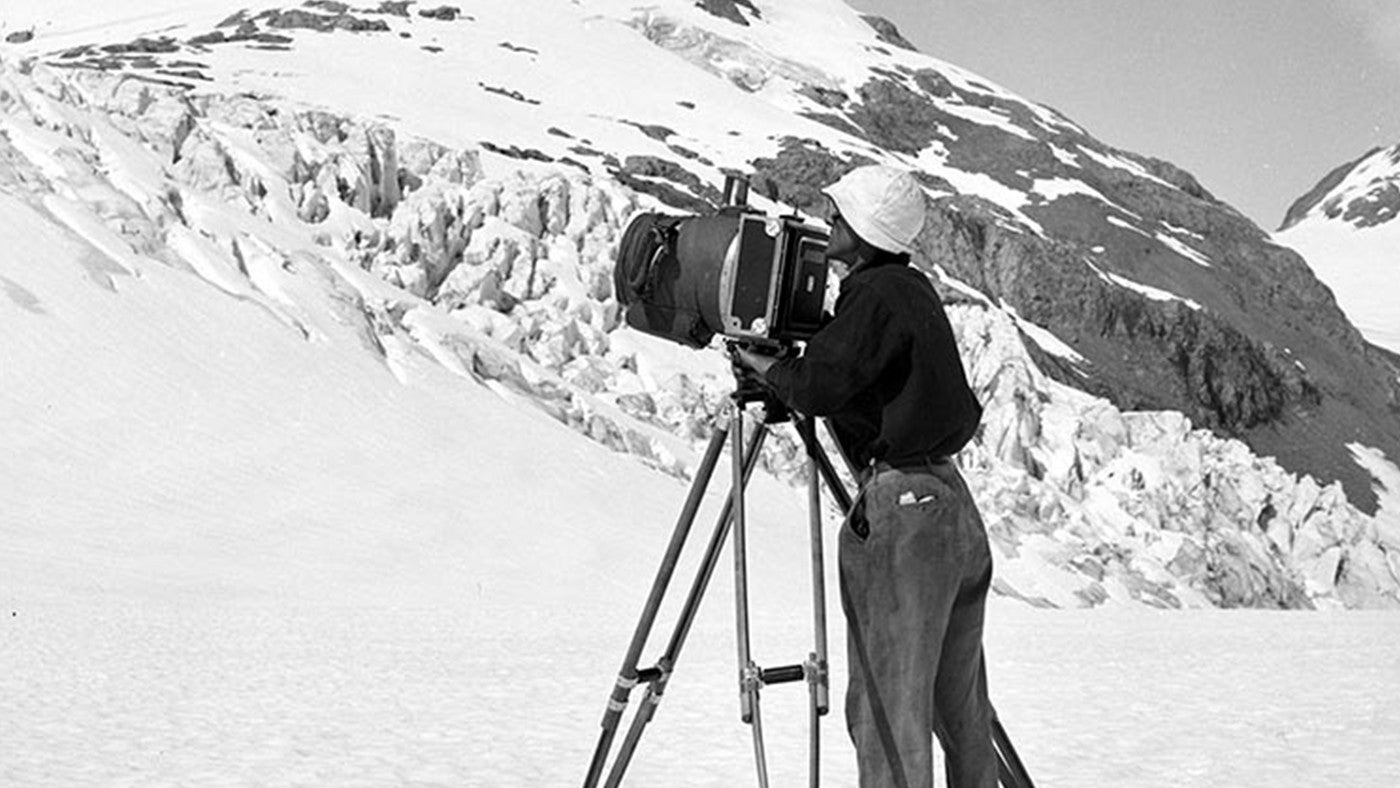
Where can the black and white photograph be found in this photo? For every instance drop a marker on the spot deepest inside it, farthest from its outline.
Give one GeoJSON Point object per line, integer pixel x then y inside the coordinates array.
{"type": "Point", "coordinates": [714, 393]}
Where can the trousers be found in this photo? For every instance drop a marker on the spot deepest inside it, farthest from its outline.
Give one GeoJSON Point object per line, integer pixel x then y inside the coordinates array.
{"type": "Point", "coordinates": [914, 592]}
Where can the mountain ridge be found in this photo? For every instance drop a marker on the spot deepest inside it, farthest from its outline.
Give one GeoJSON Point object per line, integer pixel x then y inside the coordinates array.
{"type": "Point", "coordinates": [519, 263]}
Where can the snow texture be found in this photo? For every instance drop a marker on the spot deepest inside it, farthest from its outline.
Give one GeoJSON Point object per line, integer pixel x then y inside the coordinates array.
{"type": "Point", "coordinates": [315, 474]}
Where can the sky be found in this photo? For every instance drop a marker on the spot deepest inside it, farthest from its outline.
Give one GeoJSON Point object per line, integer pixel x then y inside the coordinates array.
{"type": "Point", "coordinates": [1259, 99]}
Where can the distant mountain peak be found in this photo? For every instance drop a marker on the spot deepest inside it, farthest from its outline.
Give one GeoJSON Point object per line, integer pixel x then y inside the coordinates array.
{"type": "Point", "coordinates": [1363, 193]}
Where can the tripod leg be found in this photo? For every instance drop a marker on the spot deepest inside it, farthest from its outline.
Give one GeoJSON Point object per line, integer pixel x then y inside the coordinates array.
{"type": "Point", "coordinates": [814, 511]}
{"type": "Point", "coordinates": [817, 669]}
{"type": "Point", "coordinates": [666, 664]}
{"type": "Point", "coordinates": [749, 677]}
{"type": "Point", "coordinates": [1013, 772]}
{"type": "Point", "coordinates": [760, 759]}
{"type": "Point", "coordinates": [627, 676]}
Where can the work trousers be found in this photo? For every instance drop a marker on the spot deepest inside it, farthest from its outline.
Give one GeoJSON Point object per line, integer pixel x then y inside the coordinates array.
{"type": "Point", "coordinates": [914, 590]}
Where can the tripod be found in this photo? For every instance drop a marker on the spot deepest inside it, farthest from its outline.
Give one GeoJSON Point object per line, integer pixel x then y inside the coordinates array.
{"type": "Point", "coordinates": [751, 677]}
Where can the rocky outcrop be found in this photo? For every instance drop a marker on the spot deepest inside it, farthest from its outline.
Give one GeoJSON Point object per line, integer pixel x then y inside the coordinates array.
{"type": "Point", "coordinates": [732, 10]}
{"type": "Point", "coordinates": [887, 32]}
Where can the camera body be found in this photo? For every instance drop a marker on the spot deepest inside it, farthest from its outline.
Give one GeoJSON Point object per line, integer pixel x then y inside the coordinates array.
{"type": "Point", "coordinates": [773, 280]}
{"type": "Point", "coordinates": [754, 278]}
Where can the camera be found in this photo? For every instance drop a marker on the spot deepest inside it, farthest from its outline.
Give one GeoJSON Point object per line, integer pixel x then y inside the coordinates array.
{"type": "Point", "coordinates": [740, 273]}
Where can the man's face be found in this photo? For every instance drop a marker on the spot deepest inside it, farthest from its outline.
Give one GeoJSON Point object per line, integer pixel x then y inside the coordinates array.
{"type": "Point", "coordinates": [842, 247]}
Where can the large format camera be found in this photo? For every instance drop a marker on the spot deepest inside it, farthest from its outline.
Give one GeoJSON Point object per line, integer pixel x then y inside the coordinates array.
{"type": "Point", "coordinates": [752, 277]}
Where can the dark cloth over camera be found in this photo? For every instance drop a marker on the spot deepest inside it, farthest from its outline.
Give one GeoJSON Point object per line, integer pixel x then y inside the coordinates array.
{"type": "Point", "coordinates": [885, 371]}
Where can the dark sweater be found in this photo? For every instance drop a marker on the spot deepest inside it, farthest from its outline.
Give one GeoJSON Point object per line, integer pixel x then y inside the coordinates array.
{"type": "Point", "coordinates": [885, 371]}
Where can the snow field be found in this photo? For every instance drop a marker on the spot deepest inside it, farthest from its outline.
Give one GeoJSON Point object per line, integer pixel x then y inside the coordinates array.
{"type": "Point", "coordinates": [187, 691]}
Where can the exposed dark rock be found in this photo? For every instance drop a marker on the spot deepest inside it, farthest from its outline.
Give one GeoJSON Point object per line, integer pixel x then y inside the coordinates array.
{"type": "Point", "coordinates": [687, 153]}
{"type": "Point", "coordinates": [798, 173]}
{"type": "Point", "coordinates": [1174, 175]}
{"type": "Point", "coordinates": [297, 19]}
{"type": "Point", "coordinates": [826, 97]}
{"type": "Point", "coordinates": [446, 13]}
{"type": "Point", "coordinates": [525, 154]}
{"type": "Point", "coordinates": [334, 6]}
{"type": "Point", "coordinates": [933, 83]}
{"type": "Point", "coordinates": [575, 163]}
{"type": "Point", "coordinates": [394, 7]}
{"type": "Point", "coordinates": [204, 39]}
{"type": "Point", "coordinates": [185, 74]}
{"type": "Point", "coordinates": [513, 48]}
{"type": "Point", "coordinates": [234, 20]}
{"type": "Point", "coordinates": [1381, 205]}
{"type": "Point", "coordinates": [654, 131]}
{"type": "Point", "coordinates": [665, 192]}
{"type": "Point", "coordinates": [20, 37]}
{"type": "Point", "coordinates": [508, 93]}
{"type": "Point", "coordinates": [895, 117]}
{"type": "Point", "coordinates": [887, 32]}
{"type": "Point", "coordinates": [653, 167]}
{"type": "Point", "coordinates": [1286, 395]}
{"type": "Point", "coordinates": [730, 9]}
{"type": "Point", "coordinates": [146, 45]}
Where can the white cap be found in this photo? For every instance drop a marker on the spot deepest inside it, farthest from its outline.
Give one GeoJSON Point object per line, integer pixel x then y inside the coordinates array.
{"type": "Point", "coordinates": [884, 205]}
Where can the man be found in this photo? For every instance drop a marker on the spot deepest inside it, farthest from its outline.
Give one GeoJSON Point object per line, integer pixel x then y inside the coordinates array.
{"type": "Point", "coordinates": [915, 567]}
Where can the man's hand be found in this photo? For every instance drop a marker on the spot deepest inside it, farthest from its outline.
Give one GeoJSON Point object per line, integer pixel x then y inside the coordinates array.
{"type": "Point", "coordinates": [757, 362]}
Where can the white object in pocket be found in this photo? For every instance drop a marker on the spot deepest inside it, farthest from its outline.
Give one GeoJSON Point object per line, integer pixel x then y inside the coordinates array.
{"type": "Point", "coordinates": [907, 498]}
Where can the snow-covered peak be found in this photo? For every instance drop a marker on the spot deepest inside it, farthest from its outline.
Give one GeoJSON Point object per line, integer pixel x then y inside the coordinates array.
{"type": "Point", "coordinates": [1363, 193]}
{"type": "Point", "coordinates": [1348, 229]}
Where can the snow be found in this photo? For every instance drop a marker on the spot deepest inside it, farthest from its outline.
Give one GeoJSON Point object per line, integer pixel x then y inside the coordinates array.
{"type": "Point", "coordinates": [256, 534]}
{"type": "Point", "coordinates": [1043, 337]}
{"type": "Point", "coordinates": [1153, 293]}
{"type": "Point", "coordinates": [1387, 475]}
{"type": "Point", "coordinates": [1181, 248]}
{"type": "Point", "coordinates": [1116, 161]}
{"type": "Point", "coordinates": [1054, 188]}
{"type": "Point", "coordinates": [1360, 266]}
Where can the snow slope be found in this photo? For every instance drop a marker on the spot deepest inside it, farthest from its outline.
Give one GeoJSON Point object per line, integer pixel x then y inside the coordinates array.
{"type": "Point", "coordinates": [1350, 235]}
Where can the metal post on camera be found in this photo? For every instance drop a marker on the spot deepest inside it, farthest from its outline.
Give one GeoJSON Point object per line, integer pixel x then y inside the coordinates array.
{"type": "Point", "coordinates": [736, 189]}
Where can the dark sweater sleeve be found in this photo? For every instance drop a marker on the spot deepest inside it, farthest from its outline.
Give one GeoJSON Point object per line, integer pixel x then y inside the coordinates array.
{"type": "Point", "coordinates": [844, 357]}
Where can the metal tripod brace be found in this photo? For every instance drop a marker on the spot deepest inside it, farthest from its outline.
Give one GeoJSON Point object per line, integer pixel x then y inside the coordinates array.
{"type": "Point", "coordinates": [751, 677]}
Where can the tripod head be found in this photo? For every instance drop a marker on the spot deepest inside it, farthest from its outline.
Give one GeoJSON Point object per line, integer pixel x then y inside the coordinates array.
{"type": "Point", "coordinates": [750, 387]}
